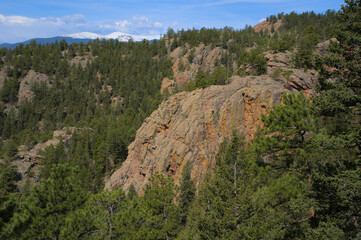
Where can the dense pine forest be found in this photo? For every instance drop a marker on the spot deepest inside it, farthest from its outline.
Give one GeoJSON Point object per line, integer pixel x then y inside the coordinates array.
{"type": "Point", "coordinates": [300, 178]}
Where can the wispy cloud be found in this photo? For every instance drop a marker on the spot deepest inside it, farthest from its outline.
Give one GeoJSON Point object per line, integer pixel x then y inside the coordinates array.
{"type": "Point", "coordinates": [19, 28]}
{"type": "Point", "coordinates": [16, 20]}
{"type": "Point", "coordinates": [26, 21]}
{"type": "Point", "coordinates": [139, 25]}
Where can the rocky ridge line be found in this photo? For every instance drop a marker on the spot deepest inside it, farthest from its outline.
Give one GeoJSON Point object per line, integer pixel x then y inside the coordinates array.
{"type": "Point", "coordinates": [190, 126]}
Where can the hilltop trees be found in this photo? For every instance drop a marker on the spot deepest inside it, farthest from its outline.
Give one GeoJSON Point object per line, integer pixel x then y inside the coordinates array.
{"type": "Point", "coordinates": [9, 91]}
{"type": "Point", "coordinates": [306, 47]}
{"type": "Point", "coordinates": [253, 61]}
{"type": "Point", "coordinates": [339, 106]}
{"type": "Point", "coordinates": [299, 179]}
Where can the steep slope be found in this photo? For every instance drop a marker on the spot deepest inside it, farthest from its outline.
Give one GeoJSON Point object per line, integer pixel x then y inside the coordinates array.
{"type": "Point", "coordinates": [267, 25]}
{"type": "Point", "coordinates": [28, 157]}
{"type": "Point", "coordinates": [202, 58]}
{"type": "Point", "coordinates": [25, 92]}
{"type": "Point", "coordinates": [190, 127]}
{"type": "Point", "coordinates": [280, 66]}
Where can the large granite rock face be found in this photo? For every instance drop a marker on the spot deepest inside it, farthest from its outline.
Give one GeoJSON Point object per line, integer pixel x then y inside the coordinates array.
{"type": "Point", "coordinates": [265, 25]}
{"type": "Point", "coordinates": [280, 68]}
{"type": "Point", "coordinates": [190, 126]}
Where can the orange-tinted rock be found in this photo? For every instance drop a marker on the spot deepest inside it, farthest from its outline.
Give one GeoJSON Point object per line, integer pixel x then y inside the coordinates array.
{"type": "Point", "coordinates": [262, 26]}
{"type": "Point", "coordinates": [167, 84]}
{"type": "Point", "coordinates": [190, 126]}
{"type": "Point", "coordinates": [204, 58]}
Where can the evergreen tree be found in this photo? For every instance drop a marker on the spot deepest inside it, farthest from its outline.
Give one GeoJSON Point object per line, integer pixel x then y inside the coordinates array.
{"type": "Point", "coordinates": [43, 213]}
{"type": "Point", "coordinates": [187, 191]}
{"type": "Point", "coordinates": [7, 209]}
{"type": "Point", "coordinates": [9, 91]}
{"type": "Point", "coordinates": [51, 157]}
{"type": "Point", "coordinates": [8, 177]}
{"type": "Point", "coordinates": [213, 214]}
{"type": "Point", "coordinates": [103, 216]}
{"type": "Point", "coordinates": [160, 217]}
{"type": "Point", "coordinates": [337, 184]}
{"type": "Point", "coordinates": [306, 46]}
{"type": "Point", "coordinates": [132, 193]}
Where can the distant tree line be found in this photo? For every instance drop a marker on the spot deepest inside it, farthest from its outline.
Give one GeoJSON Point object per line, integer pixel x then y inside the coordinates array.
{"type": "Point", "coordinates": [299, 179]}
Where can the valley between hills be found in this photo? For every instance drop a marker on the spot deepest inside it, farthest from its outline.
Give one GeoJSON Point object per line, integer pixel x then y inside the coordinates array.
{"type": "Point", "coordinates": [202, 134]}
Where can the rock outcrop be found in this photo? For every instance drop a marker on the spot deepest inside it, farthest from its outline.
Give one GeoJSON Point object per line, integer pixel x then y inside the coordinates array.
{"type": "Point", "coordinates": [190, 127]}
{"type": "Point", "coordinates": [321, 48]}
{"type": "Point", "coordinates": [280, 68]}
{"type": "Point", "coordinates": [27, 158]}
{"type": "Point", "coordinates": [202, 58]}
{"type": "Point", "coordinates": [167, 84]}
{"type": "Point", "coordinates": [266, 25]}
{"type": "Point", "coordinates": [82, 60]}
{"type": "Point", "coordinates": [25, 92]}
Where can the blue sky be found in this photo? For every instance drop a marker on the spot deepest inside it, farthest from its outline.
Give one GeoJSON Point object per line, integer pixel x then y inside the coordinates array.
{"type": "Point", "coordinates": [23, 19]}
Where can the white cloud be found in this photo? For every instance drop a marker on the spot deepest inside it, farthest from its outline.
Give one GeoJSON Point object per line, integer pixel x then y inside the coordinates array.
{"type": "Point", "coordinates": [158, 24]}
{"type": "Point", "coordinates": [138, 25]}
{"type": "Point", "coordinates": [20, 28]}
{"type": "Point", "coordinates": [8, 20]}
{"type": "Point", "coordinates": [122, 24]}
{"type": "Point", "coordinates": [106, 26]}
{"type": "Point", "coordinates": [26, 21]}
{"type": "Point", "coordinates": [73, 19]}
{"type": "Point", "coordinates": [262, 20]}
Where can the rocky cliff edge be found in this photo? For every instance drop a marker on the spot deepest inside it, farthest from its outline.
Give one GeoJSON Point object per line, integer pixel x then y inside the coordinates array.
{"type": "Point", "coordinates": [190, 126]}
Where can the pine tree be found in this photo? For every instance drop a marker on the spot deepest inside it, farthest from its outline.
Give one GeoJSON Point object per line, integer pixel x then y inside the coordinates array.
{"type": "Point", "coordinates": [8, 177]}
{"type": "Point", "coordinates": [160, 217]}
{"type": "Point", "coordinates": [214, 213]}
{"type": "Point", "coordinates": [187, 191]}
{"type": "Point", "coordinates": [132, 194]}
{"type": "Point", "coordinates": [104, 216]}
{"type": "Point", "coordinates": [43, 213]}
{"type": "Point", "coordinates": [290, 126]}
{"type": "Point", "coordinates": [307, 44]}
{"type": "Point", "coordinates": [8, 205]}
{"type": "Point", "coordinates": [337, 185]}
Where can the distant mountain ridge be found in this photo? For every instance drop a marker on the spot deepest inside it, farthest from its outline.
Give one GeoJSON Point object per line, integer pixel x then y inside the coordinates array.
{"type": "Point", "coordinates": [123, 37]}
{"type": "Point", "coordinates": [84, 37]}
{"type": "Point", "coordinates": [69, 40]}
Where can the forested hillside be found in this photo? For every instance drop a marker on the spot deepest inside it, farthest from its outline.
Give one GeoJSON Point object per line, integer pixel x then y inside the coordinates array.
{"type": "Point", "coordinates": [299, 178]}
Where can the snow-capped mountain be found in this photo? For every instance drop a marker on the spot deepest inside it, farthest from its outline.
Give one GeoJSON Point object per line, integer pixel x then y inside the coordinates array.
{"type": "Point", "coordinates": [83, 37]}
{"type": "Point", "coordinates": [123, 37]}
